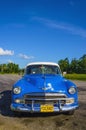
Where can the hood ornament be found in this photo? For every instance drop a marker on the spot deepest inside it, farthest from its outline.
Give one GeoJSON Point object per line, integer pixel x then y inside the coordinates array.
{"type": "Point", "coordinates": [48, 87]}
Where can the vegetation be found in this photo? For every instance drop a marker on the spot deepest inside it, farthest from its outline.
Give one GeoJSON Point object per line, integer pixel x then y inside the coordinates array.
{"type": "Point", "coordinates": [77, 66]}
{"type": "Point", "coordinates": [76, 76]}
{"type": "Point", "coordinates": [10, 68]}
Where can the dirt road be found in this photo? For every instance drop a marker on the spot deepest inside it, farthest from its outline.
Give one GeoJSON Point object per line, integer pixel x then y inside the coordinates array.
{"type": "Point", "coordinates": [39, 121]}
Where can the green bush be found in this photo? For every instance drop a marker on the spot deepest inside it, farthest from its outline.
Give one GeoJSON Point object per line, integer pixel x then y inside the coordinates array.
{"type": "Point", "coordinates": [76, 76]}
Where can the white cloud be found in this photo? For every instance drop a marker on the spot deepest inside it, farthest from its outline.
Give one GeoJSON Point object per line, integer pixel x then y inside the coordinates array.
{"type": "Point", "coordinates": [6, 52]}
{"type": "Point", "coordinates": [10, 61]}
{"type": "Point", "coordinates": [62, 26]}
{"type": "Point", "coordinates": [25, 56]}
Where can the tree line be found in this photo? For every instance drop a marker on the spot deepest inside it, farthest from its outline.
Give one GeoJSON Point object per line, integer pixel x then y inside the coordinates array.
{"type": "Point", "coordinates": [75, 66]}
{"type": "Point", "coordinates": [10, 68]}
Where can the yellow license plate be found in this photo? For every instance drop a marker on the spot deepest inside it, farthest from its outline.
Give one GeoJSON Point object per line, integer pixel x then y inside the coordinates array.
{"type": "Point", "coordinates": [47, 108]}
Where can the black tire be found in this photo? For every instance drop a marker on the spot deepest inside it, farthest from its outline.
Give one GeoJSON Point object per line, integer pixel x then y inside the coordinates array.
{"type": "Point", "coordinates": [17, 114]}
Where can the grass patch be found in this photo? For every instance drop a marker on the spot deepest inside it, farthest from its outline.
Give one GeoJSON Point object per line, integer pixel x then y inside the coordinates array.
{"type": "Point", "coordinates": [76, 76]}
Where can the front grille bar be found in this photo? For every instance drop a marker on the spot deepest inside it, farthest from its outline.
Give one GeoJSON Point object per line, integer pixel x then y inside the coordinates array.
{"type": "Point", "coordinates": [44, 98]}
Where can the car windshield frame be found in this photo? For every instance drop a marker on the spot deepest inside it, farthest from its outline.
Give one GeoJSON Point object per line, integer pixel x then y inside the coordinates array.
{"type": "Point", "coordinates": [42, 69]}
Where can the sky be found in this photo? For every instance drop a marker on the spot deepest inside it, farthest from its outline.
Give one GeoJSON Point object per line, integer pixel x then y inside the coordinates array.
{"type": "Point", "coordinates": [42, 30]}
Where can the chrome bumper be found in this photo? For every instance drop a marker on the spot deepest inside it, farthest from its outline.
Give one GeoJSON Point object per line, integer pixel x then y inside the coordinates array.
{"type": "Point", "coordinates": [26, 108]}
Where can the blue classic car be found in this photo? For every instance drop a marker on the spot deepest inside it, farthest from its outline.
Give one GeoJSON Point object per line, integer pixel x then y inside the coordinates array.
{"type": "Point", "coordinates": [44, 89]}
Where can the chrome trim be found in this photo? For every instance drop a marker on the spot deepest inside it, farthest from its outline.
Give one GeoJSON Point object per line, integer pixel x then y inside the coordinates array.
{"type": "Point", "coordinates": [37, 109]}
{"type": "Point", "coordinates": [58, 100]}
{"type": "Point", "coordinates": [54, 99]}
{"type": "Point", "coordinates": [46, 94]}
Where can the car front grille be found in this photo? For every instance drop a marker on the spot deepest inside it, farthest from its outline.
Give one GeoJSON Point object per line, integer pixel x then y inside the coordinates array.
{"type": "Point", "coordinates": [45, 98]}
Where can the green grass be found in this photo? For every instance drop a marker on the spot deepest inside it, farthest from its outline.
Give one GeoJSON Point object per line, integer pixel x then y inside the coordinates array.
{"type": "Point", "coordinates": [76, 76]}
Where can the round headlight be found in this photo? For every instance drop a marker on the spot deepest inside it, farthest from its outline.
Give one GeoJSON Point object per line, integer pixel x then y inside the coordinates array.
{"type": "Point", "coordinates": [17, 90]}
{"type": "Point", "coordinates": [72, 90]}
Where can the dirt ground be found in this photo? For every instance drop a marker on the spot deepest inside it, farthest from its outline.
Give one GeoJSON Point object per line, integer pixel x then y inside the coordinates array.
{"type": "Point", "coordinates": [39, 121]}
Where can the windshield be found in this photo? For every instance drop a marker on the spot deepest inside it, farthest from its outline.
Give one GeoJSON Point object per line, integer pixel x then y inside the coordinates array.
{"type": "Point", "coordinates": [42, 69]}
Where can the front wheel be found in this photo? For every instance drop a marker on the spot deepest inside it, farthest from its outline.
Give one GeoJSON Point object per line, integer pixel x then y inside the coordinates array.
{"type": "Point", "coordinates": [17, 114]}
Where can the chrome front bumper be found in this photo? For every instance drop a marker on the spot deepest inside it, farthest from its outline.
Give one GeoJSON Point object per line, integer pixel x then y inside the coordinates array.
{"type": "Point", "coordinates": [32, 102]}
{"type": "Point", "coordinates": [32, 109]}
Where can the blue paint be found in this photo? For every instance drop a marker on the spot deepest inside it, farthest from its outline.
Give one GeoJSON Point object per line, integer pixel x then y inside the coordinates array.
{"type": "Point", "coordinates": [55, 86]}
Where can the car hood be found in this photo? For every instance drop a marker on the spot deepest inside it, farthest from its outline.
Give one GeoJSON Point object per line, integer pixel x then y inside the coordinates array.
{"type": "Point", "coordinates": [42, 83]}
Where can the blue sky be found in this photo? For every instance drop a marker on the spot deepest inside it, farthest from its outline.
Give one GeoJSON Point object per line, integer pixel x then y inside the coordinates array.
{"type": "Point", "coordinates": [42, 30]}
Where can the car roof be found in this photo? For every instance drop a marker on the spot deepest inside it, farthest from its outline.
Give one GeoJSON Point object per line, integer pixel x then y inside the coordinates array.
{"type": "Point", "coordinates": [43, 63]}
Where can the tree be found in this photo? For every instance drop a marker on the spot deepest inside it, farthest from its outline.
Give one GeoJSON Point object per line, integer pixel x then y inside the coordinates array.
{"type": "Point", "coordinates": [64, 64]}
{"type": "Point", "coordinates": [82, 64]}
{"type": "Point", "coordinates": [13, 68]}
{"type": "Point", "coordinates": [74, 66]}
{"type": "Point", "coordinates": [9, 68]}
